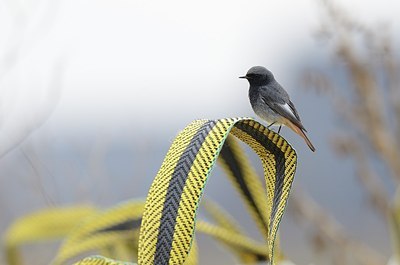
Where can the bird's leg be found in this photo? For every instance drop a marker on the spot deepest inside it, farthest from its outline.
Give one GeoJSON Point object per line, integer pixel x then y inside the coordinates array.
{"type": "Point", "coordinates": [279, 130]}
{"type": "Point", "coordinates": [270, 125]}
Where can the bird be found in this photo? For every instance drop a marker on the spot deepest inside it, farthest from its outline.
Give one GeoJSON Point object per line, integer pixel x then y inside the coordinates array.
{"type": "Point", "coordinates": [272, 103]}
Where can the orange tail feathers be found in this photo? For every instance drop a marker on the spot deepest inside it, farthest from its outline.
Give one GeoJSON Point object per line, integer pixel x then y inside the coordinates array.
{"type": "Point", "coordinates": [302, 134]}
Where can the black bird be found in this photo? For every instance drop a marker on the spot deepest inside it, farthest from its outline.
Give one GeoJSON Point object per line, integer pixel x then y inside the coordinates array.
{"type": "Point", "coordinates": [271, 102]}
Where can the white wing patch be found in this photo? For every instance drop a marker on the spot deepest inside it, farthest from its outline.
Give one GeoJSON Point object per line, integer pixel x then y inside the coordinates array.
{"type": "Point", "coordinates": [288, 110]}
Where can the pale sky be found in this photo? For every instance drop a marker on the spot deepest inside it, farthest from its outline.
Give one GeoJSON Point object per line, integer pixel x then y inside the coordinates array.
{"type": "Point", "coordinates": [104, 63]}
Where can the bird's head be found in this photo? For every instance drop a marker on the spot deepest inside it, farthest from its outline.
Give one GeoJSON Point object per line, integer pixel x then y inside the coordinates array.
{"type": "Point", "coordinates": [258, 75]}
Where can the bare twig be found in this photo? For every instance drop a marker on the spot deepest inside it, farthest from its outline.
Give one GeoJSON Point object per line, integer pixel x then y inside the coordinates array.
{"type": "Point", "coordinates": [20, 43]}
{"type": "Point", "coordinates": [40, 182]}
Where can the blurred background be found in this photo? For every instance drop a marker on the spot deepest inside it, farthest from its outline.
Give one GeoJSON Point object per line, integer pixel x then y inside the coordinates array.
{"type": "Point", "coordinates": [92, 94]}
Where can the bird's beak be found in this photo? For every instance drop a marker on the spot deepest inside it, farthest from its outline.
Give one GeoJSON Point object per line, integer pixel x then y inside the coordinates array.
{"type": "Point", "coordinates": [243, 77]}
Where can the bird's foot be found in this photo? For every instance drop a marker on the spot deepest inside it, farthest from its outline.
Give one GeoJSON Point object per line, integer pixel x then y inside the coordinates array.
{"type": "Point", "coordinates": [269, 126]}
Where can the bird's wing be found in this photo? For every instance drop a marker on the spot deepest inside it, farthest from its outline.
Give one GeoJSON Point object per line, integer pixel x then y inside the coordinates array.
{"type": "Point", "coordinates": [294, 110]}
{"type": "Point", "coordinates": [286, 110]}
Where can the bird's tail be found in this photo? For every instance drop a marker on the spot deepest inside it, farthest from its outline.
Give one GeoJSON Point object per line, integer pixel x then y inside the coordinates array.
{"type": "Point", "coordinates": [303, 135]}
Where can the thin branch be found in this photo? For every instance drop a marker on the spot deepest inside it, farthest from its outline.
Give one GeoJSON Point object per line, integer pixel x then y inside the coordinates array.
{"type": "Point", "coordinates": [40, 180]}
